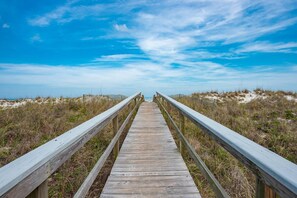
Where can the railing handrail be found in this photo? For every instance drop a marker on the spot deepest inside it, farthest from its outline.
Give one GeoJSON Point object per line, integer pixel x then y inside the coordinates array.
{"type": "Point", "coordinates": [45, 159]}
{"type": "Point", "coordinates": [271, 168]}
{"type": "Point", "coordinates": [86, 185]}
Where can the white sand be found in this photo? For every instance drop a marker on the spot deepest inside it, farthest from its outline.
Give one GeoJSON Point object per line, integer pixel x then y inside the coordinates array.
{"type": "Point", "coordinates": [5, 104]}
{"type": "Point", "coordinates": [290, 98]}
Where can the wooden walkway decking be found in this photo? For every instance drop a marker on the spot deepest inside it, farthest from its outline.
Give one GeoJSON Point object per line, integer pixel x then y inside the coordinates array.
{"type": "Point", "coordinates": [149, 163]}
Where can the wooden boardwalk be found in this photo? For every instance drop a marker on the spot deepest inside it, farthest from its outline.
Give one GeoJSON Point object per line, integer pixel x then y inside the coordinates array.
{"type": "Point", "coordinates": [149, 163]}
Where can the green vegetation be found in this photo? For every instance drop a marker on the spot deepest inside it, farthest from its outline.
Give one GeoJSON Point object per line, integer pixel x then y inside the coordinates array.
{"type": "Point", "coordinates": [31, 125]}
{"type": "Point", "coordinates": [270, 121]}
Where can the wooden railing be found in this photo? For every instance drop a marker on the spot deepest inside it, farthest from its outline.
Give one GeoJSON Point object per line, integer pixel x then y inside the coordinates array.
{"type": "Point", "coordinates": [276, 176]}
{"type": "Point", "coordinates": [27, 175]}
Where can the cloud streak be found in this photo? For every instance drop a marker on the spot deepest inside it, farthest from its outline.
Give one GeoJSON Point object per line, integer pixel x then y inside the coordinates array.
{"type": "Point", "coordinates": [148, 77]}
{"type": "Point", "coordinates": [118, 57]}
{"type": "Point", "coordinates": [66, 14]}
{"type": "Point", "coordinates": [261, 46]}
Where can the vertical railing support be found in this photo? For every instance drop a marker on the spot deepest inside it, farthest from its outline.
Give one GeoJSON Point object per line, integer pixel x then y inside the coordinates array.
{"type": "Point", "coordinates": [269, 192]}
{"type": "Point", "coordinates": [169, 107]}
{"type": "Point", "coordinates": [40, 192]}
{"type": "Point", "coordinates": [130, 107]}
{"type": "Point", "coordinates": [264, 191]}
{"type": "Point", "coordinates": [182, 129]}
{"type": "Point", "coordinates": [116, 148]}
{"type": "Point", "coordinates": [260, 189]}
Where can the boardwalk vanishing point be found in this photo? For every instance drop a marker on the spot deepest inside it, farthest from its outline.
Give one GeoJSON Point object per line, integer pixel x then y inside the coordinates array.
{"type": "Point", "coordinates": [148, 164]}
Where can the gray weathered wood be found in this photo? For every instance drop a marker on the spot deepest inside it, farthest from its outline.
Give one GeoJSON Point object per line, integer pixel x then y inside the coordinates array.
{"type": "Point", "coordinates": [182, 130]}
{"type": "Point", "coordinates": [40, 192]}
{"type": "Point", "coordinates": [260, 189]}
{"type": "Point", "coordinates": [274, 170]}
{"type": "Point", "coordinates": [20, 177]}
{"type": "Point", "coordinates": [214, 183]}
{"type": "Point", "coordinates": [115, 123]}
{"type": "Point", "coordinates": [84, 188]}
{"type": "Point", "coordinates": [149, 164]}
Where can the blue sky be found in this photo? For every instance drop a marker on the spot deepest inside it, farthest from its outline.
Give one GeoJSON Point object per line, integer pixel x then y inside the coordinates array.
{"type": "Point", "coordinates": [53, 48]}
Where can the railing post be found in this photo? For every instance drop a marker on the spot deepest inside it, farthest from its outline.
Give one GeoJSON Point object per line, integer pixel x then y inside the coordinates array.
{"type": "Point", "coordinates": [156, 98]}
{"type": "Point", "coordinates": [260, 189]}
{"type": "Point", "coordinates": [264, 191]}
{"type": "Point", "coordinates": [182, 129]}
{"type": "Point", "coordinates": [40, 192]}
{"type": "Point", "coordinates": [116, 148]}
{"type": "Point", "coordinates": [169, 107]}
{"type": "Point", "coordinates": [269, 192]}
{"type": "Point", "coordinates": [129, 107]}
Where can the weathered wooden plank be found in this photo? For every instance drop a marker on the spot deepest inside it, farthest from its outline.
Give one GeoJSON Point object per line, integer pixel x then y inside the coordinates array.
{"type": "Point", "coordinates": [149, 163]}
{"type": "Point", "coordinates": [134, 195]}
{"type": "Point", "coordinates": [150, 183]}
{"type": "Point", "coordinates": [146, 173]}
{"type": "Point", "coordinates": [122, 186]}
{"type": "Point", "coordinates": [147, 157]}
{"type": "Point", "coordinates": [147, 169]}
{"type": "Point", "coordinates": [149, 178]}
{"type": "Point", "coordinates": [143, 145]}
{"type": "Point", "coordinates": [151, 151]}
{"type": "Point", "coordinates": [158, 190]}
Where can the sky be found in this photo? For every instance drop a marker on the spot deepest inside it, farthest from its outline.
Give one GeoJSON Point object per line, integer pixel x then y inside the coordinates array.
{"type": "Point", "coordinates": [75, 47]}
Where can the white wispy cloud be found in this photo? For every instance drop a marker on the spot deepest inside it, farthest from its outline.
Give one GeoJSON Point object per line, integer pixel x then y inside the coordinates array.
{"type": "Point", "coordinates": [45, 20]}
{"type": "Point", "coordinates": [164, 30]}
{"type": "Point", "coordinates": [66, 14]}
{"type": "Point", "coordinates": [36, 38]}
{"type": "Point", "coordinates": [91, 38]}
{"type": "Point", "coordinates": [146, 76]}
{"type": "Point", "coordinates": [74, 10]}
{"type": "Point", "coordinates": [204, 54]}
{"type": "Point", "coordinates": [116, 57]}
{"type": "Point", "coordinates": [121, 28]}
{"type": "Point", "coordinates": [160, 46]}
{"type": "Point", "coordinates": [5, 26]}
{"type": "Point", "coordinates": [261, 46]}
{"type": "Point", "coordinates": [171, 27]}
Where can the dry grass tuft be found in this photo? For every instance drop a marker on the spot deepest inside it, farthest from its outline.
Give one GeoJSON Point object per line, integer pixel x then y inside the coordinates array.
{"type": "Point", "coordinates": [31, 125]}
